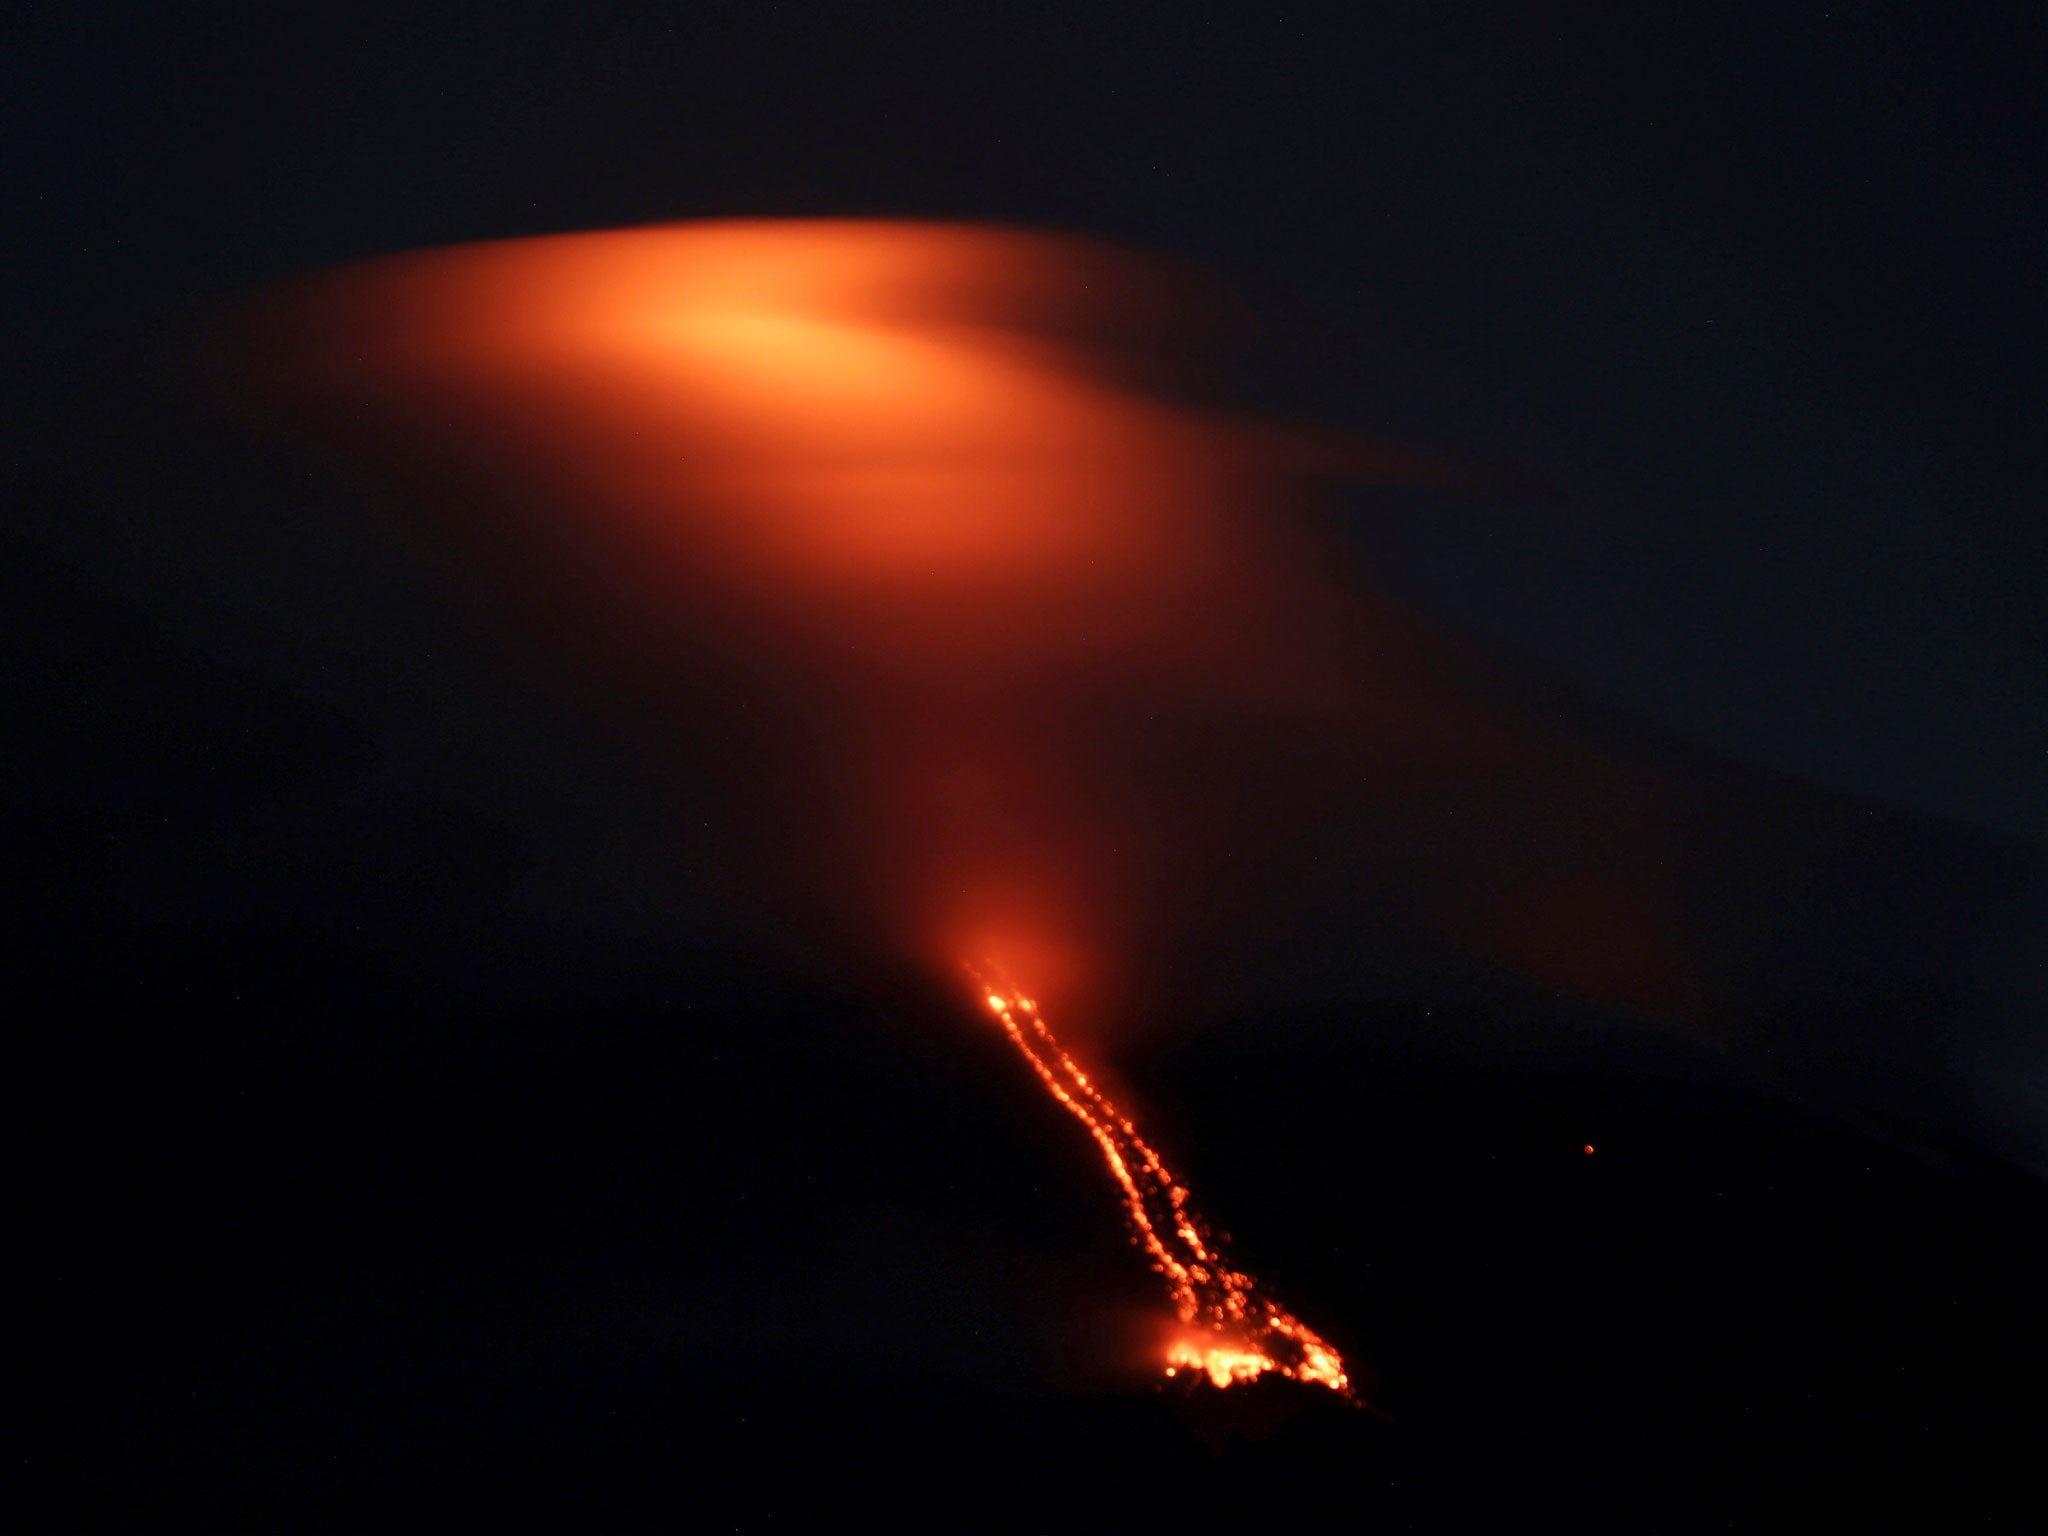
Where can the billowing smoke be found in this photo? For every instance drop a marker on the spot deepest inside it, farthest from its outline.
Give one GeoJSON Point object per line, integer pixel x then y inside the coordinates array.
{"type": "Point", "coordinates": [1013, 639]}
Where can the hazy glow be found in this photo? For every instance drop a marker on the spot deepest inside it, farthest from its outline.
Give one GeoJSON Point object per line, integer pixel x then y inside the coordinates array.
{"type": "Point", "coordinates": [907, 475]}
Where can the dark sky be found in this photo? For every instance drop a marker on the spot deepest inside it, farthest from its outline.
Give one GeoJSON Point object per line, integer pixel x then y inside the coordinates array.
{"type": "Point", "coordinates": [422, 1140]}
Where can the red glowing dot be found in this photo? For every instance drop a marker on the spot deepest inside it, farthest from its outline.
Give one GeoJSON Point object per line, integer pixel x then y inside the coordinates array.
{"type": "Point", "coordinates": [1589, 1149]}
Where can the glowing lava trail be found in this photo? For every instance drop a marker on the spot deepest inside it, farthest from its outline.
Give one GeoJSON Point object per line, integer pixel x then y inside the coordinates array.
{"type": "Point", "coordinates": [1230, 1330]}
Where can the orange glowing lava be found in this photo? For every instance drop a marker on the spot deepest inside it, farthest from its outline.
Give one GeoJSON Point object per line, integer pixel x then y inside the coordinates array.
{"type": "Point", "coordinates": [1231, 1331]}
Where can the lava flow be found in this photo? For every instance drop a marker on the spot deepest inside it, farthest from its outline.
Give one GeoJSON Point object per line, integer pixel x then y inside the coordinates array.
{"type": "Point", "coordinates": [1230, 1330]}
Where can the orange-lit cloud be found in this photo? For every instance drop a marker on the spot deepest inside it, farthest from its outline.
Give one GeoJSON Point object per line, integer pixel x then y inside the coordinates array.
{"type": "Point", "coordinates": [1039, 646]}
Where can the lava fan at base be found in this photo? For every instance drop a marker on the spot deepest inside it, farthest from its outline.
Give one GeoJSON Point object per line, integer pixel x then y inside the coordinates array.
{"type": "Point", "coordinates": [1230, 1331]}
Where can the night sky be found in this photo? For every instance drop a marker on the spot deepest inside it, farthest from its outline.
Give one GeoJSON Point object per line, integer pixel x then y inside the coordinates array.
{"type": "Point", "coordinates": [423, 1130]}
